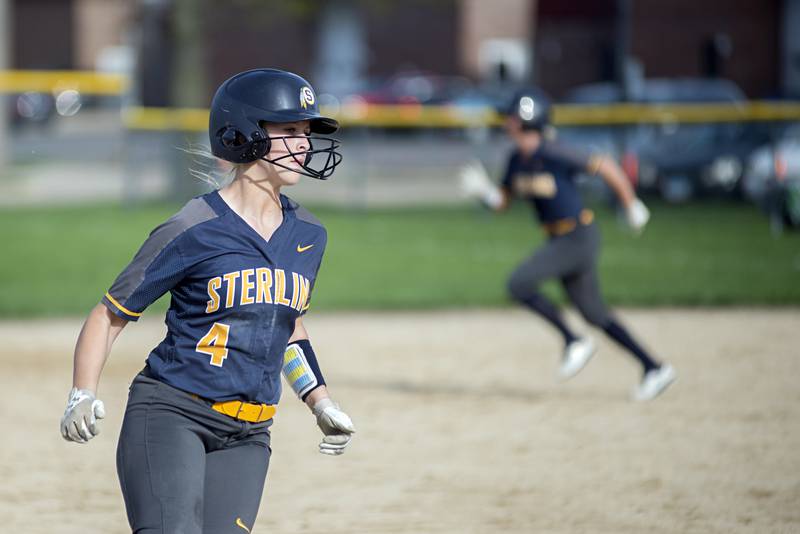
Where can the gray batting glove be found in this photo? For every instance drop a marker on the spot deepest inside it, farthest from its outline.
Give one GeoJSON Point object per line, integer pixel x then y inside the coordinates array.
{"type": "Point", "coordinates": [81, 418]}
{"type": "Point", "coordinates": [335, 424]}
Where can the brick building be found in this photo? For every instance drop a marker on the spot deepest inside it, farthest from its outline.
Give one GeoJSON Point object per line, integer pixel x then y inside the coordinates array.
{"type": "Point", "coordinates": [335, 42]}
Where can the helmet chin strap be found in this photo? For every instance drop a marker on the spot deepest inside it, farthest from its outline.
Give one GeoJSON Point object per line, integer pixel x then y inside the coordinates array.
{"type": "Point", "coordinates": [333, 158]}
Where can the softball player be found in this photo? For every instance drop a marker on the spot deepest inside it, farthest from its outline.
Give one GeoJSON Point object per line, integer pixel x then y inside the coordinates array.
{"type": "Point", "coordinates": [543, 173]}
{"type": "Point", "coordinates": [240, 264]}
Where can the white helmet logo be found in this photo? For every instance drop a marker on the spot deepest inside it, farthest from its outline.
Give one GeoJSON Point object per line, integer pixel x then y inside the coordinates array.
{"type": "Point", "coordinates": [306, 97]}
{"type": "Point", "coordinates": [526, 108]}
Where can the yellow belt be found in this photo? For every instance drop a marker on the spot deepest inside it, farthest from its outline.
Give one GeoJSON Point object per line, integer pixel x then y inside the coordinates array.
{"type": "Point", "coordinates": [244, 411]}
{"type": "Point", "coordinates": [565, 226]}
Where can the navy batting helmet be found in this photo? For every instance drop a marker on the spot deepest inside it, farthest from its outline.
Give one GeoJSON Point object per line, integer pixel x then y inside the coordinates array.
{"type": "Point", "coordinates": [532, 107]}
{"type": "Point", "coordinates": [242, 105]}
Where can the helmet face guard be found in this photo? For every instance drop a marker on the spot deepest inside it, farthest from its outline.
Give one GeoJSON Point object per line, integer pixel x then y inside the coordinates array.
{"type": "Point", "coordinates": [244, 102]}
{"type": "Point", "coordinates": [324, 164]}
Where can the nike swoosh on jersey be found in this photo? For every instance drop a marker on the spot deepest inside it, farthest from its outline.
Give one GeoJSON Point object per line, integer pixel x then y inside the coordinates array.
{"type": "Point", "coordinates": [303, 249]}
{"type": "Point", "coordinates": [242, 525]}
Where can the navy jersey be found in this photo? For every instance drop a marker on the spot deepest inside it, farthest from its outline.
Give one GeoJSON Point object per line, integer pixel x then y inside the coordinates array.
{"type": "Point", "coordinates": [235, 296]}
{"type": "Point", "coordinates": [546, 179]}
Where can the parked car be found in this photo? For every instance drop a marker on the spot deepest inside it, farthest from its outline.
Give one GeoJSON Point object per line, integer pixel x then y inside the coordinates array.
{"type": "Point", "coordinates": [695, 159]}
{"type": "Point", "coordinates": [415, 87]}
{"type": "Point", "coordinates": [682, 160]}
{"type": "Point", "coordinates": [772, 179]}
{"type": "Point", "coordinates": [32, 108]}
{"type": "Point", "coordinates": [38, 108]}
{"type": "Point", "coordinates": [410, 91]}
{"type": "Point", "coordinates": [774, 161]}
{"type": "Point", "coordinates": [607, 140]}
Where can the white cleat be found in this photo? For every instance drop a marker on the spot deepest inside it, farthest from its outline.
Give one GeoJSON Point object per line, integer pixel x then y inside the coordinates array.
{"type": "Point", "coordinates": [654, 383]}
{"type": "Point", "coordinates": [576, 356]}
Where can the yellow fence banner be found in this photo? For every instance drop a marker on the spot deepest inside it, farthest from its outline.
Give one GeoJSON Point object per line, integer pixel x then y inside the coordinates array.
{"type": "Point", "coordinates": [404, 116]}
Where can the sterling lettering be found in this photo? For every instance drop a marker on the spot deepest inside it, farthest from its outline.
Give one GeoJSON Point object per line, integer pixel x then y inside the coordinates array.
{"type": "Point", "coordinates": [260, 285]}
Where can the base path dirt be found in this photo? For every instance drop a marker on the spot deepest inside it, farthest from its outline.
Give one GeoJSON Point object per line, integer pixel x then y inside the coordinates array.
{"type": "Point", "coordinates": [461, 428]}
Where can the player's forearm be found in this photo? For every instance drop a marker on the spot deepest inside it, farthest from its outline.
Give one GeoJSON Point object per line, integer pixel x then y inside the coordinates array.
{"type": "Point", "coordinates": [636, 212]}
{"type": "Point", "coordinates": [93, 346]}
{"type": "Point", "coordinates": [299, 332]}
{"type": "Point", "coordinates": [616, 179]}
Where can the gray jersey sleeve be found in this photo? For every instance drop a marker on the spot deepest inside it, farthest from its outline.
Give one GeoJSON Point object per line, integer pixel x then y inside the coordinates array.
{"type": "Point", "coordinates": [573, 159]}
{"type": "Point", "coordinates": [158, 265]}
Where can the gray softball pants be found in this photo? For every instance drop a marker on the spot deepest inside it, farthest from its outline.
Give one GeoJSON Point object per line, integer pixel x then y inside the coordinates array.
{"type": "Point", "coordinates": [572, 259]}
{"type": "Point", "coordinates": [186, 469]}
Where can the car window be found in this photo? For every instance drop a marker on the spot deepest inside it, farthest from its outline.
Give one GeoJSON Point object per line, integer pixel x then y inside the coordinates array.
{"type": "Point", "coordinates": [672, 91]}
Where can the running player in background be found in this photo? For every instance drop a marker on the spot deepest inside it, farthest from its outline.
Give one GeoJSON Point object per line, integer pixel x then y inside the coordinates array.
{"type": "Point", "coordinates": [240, 264]}
{"type": "Point", "coordinates": [543, 172]}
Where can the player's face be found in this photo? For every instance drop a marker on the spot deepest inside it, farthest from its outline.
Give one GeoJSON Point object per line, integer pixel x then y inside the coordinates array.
{"type": "Point", "coordinates": [289, 144]}
{"type": "Point", "coordinates": [527, 141]}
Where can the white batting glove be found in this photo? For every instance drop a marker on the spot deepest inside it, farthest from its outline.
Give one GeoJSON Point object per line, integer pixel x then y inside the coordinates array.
{"type": "Point", "coordinates": [335, 424]}
{"type": "Point", "coordinates": [80, 422]}
{"type": "Point", "coordinates": [475, 183]}
{"type": "Point", "coordinates": [637, 215]}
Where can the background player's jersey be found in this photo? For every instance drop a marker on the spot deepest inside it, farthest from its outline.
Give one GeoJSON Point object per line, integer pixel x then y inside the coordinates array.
{"type": "Point", "coordinates": [547, 179]}
{"type": "Point", "coordinates": [235, 296]}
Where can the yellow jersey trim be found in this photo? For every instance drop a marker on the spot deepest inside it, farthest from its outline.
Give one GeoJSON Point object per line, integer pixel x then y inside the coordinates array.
{"type": "Point", "coordinates": [122, 308]}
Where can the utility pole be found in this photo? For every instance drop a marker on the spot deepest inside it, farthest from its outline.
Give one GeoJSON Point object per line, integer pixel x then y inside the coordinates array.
{"type": "Point", "coordinates": [154, 73]}
{"type": "Point", "coordinates": [5, 62]}
{"type": "Point", "coordinates": [188, 89]}
{"type": "Point", "coordinates": [622, 47]}
{"type": "Point", "coordinates": [155, 54]}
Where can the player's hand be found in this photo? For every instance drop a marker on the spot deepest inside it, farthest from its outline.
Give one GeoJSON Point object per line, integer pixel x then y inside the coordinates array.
{"type": "Point", "coordinates": [475, 183]}
{"type": "Point", "coordinates": [335, 424]}
{"type": "Point", "coordinates": [637, 215]}
{"type": "Point", "coordinates": [82, 416]}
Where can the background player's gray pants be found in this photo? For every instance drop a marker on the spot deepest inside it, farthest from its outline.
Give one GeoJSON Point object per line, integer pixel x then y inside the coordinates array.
{"type": "Point", "coordinates": [185, 468]}
{"type": "Point", "coordinates": [571, 258]}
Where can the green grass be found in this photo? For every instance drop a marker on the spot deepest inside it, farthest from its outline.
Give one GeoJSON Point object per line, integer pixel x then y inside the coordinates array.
{"type": "Point", "coordinates": [59, 261]}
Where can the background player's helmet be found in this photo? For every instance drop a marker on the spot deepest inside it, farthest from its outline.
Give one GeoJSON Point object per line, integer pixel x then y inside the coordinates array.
{"type": "Point", "coordinates": [247, 100]}
{"type": "Point", "coordinates": [532, 107]}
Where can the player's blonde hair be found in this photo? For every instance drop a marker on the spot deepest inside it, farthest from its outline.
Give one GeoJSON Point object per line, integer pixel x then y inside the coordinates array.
{"type": "Point", "coordinates": [210, 169]}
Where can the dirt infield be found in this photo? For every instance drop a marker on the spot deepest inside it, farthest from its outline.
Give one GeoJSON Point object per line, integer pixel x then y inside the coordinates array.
{"type": "Point", "coordinates": [461, 428]}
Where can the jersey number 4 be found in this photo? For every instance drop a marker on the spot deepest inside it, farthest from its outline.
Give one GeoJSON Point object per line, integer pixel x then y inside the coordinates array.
{"type": "Point", "coordinates": [214, 343]}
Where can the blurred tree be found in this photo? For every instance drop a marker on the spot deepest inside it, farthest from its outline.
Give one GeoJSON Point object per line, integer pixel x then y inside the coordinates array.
{"type": "Point", "coordinates": [263, 10]}
{"type": "Point", "coordinates": [341, 52]}
{"type": "Point", "coordinates": [154, 68]}
{"type": "Point", "coordinates": [308, 9]}
{"type": "Point", "coordinates": [5, 44]}
{"type": "Point", "coordinates": [715, 51]}
{"type": "Point", "coordinates": [171, 70]}
{"type": "Point", "coordinates": [171, 73]}
{"type": "Point", "coordinates": [189, 87]}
